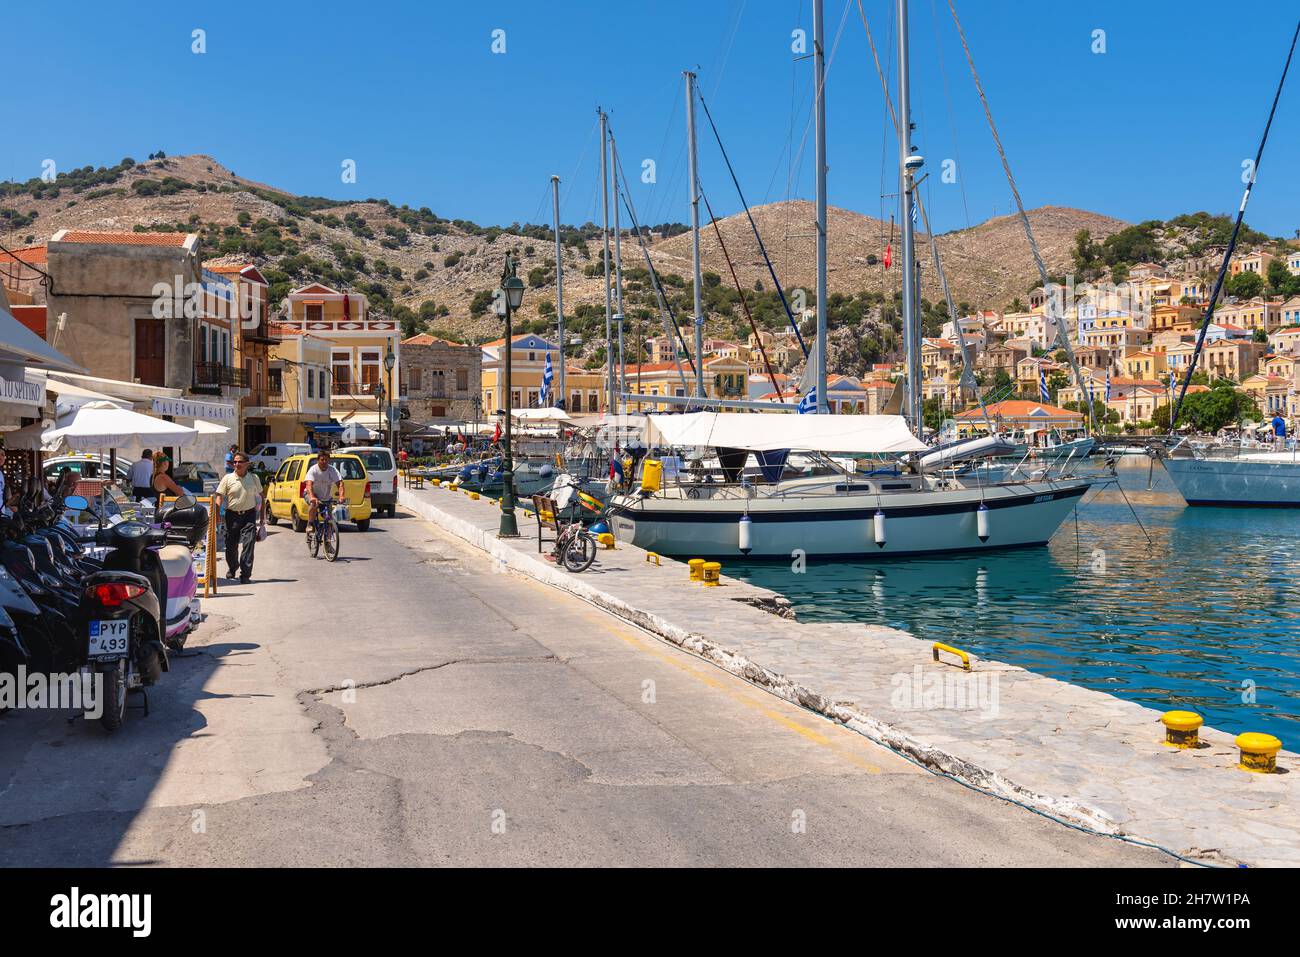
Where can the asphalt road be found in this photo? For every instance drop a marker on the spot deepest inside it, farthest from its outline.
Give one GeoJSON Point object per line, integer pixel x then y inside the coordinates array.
{"type": "Point", "coordinates": [412, 704]}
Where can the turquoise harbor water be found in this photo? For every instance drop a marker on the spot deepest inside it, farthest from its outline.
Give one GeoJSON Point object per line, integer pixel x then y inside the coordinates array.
{"type": "Point", "coordinates": [1206, 617]}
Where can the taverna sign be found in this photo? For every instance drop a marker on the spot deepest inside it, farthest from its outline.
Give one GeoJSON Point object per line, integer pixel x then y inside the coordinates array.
{"type": "Point", "coordinates": [188, 408]}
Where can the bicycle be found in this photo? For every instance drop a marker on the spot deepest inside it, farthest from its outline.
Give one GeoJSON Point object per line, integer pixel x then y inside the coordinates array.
{"type": "Point", "coordinates": [323, 531]}
{"type": "Point", "coordinates": [575, 547]}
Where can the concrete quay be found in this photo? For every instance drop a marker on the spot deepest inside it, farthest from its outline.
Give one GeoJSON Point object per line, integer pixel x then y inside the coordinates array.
{"type": "Point", "coordinates": [1082, 756]}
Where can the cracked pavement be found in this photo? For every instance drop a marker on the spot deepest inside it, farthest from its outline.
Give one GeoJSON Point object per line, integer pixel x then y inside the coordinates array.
{"type": "Point", "coordinates": [413, 704]}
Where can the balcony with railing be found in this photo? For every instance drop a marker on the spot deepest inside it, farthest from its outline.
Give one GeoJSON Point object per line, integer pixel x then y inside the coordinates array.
{"type": "Point", "coordinates": [212, 377]}
{"type": "Point", "coordinates": [261, 333]}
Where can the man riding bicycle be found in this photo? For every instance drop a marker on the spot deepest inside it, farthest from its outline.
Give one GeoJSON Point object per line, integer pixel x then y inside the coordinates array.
{"type": "Point", "coordinates": [323, 483]}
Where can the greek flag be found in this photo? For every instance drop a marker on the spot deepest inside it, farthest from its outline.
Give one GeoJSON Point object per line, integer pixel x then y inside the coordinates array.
{"type": "Point", "coordinates": [914, 212]}
{"type": "Point", "coordinates": [1043, 395]}
{"type": "Point", "coordinates": [1107, 385]}
{"type": "Point", "coordinates": [808, 404]}
{"type": "Point", "coordinates": [547, 375]}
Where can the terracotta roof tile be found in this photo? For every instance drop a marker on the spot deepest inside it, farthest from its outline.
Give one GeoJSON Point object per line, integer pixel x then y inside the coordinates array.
{"type": "Point", "coordinates": [124, 239]}
{"type": "Point", "coordinates": [31, 255]}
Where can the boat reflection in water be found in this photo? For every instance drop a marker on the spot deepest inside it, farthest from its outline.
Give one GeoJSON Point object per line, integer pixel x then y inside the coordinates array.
{"type": "Point", "coordinates": [1206, 617]}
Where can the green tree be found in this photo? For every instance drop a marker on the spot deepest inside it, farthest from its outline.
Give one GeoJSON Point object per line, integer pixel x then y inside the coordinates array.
{"type": "Point", "coordinates": [1279, 278]}
{"type": "Point", "coordinates": [1211, 411]}
{"type": "Point", "coordinates": [1245, 285]}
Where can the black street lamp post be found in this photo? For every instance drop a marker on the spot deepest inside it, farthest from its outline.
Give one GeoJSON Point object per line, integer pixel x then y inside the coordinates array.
{"type": "Point", "coordinates": [510, 298]}
{"type": "Point", "coordinates": [390, 360]}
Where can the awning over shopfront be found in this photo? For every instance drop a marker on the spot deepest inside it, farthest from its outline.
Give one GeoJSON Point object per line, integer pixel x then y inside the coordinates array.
{"type": "Point", "coordinates": [21, 346]}
{"type": "Point", "coordinates": [204, 427]}
{"type": "Point", "coordinates": [136, 393]}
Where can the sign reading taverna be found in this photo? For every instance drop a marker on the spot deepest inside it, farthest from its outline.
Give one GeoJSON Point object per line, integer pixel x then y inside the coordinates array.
{"type": "Point", "coordinates": [22, 392]}
{"type": "Point", "coordinates": [189, 408]}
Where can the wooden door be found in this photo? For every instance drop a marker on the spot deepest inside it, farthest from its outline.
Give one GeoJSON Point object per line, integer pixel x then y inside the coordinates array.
{"type": "Point", "coordinates": [150, 351]}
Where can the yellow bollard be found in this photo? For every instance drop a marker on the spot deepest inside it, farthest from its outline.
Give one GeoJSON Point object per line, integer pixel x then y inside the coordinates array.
{"type": "Point", "coordinates": [437, 482]}
{"type": "Point", "coordinates": [606, 539]}
{"type": "Point", "coordinates": [474, 496]}
{"type": "Point", "coordinates": [1258, 752]}
{"type": "Point", "coordinates": [696, 566]}
{"type": "Point", "coordinates": [1182, 728]}
{"type": "Point", "coordinates": [712, 572]}
{"type": "Point", "coordinates": [653, 557]}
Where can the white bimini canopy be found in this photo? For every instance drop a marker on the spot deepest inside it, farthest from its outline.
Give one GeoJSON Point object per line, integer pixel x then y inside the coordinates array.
{"type": "Point", "coordinates": [99, 426]}
{"type": "Point", "coordinates": [542, 416]}
{"type": "Point", "coordinates": [766, 432]}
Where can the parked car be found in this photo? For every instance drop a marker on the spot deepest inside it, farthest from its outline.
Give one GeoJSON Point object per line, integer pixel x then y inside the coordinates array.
{"type": "Point", "coordinates": [198, 478]}
{"type": "Point", "coordinates": [268, 456]}
{"type": "Point", "coordinates": [89, 465]}
{"type": "Point", "coordinates": [285, 498]}
{"type": "Point", "coordinates": [383, 476]}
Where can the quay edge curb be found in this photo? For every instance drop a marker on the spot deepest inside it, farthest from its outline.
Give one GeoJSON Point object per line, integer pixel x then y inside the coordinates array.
{"type": "Point", "coordinates": [930, 756]}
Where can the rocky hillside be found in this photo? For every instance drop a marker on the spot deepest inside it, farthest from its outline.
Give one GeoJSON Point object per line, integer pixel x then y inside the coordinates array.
{"type": "Point", "coordinates": [440, 270]}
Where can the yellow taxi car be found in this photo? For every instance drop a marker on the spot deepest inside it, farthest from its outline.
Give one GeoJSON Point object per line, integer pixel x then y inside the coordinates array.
{"type": "Point", "coordinates": [286, 498]}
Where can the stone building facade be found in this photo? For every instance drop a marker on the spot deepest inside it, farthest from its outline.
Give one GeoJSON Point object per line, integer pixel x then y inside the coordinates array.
{"type": "Point", "coordinates": [440, 380]}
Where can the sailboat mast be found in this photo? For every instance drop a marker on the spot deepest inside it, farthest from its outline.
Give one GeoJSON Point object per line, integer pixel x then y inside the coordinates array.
{"type": "Point", "coordinates": [610, 404]}
{"type": "Point", "coordinates": [819, 65]}
{"type": "Point", "coordinates": [618, 272]}
{"type": "Point", "coordinates": [908, 165]}
{"type": "Point", "coordinates": [694, 177]}
{"type": "Point", "coordinates": [559, 286]}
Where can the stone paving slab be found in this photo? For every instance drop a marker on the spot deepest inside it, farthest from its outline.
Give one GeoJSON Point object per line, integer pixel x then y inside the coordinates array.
{"type": "Point", "coordinates": [1081, 755]}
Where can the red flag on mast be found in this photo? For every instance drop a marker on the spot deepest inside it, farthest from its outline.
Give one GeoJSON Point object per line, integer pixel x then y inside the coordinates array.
{"type": "Point", "coordinates": [888, 250]}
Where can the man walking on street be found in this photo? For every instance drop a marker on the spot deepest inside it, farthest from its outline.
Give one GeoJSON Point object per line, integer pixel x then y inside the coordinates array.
{"type": "Point", "coordinates": [142, 477]}
{"type": "Point", "coordinates": [241, 493]}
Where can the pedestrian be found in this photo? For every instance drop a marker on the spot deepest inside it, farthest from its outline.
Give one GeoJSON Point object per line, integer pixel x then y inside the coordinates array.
{"type": "Point", "coordinates": [142, 477]}
{"type": "Point", "coordinates": [4, 498]}
{"type": "Point", "coordinates": [402, 457]}
{"type": "Point", "coordinates": [241, 494]}
{"type": "Point", "coordinates": [230, 459]}
{"type": "Point", "coordinates": [1279, 433]}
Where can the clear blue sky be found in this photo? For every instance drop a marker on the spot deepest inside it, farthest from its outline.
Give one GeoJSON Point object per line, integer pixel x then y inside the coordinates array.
{"type": "Point", "coordinates": [1155, 126]}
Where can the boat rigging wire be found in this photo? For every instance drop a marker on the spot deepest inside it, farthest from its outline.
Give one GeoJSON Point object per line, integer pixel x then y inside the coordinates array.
{"type": "Point", "coordinates": [968, 368]}
{"type": "Point", "coordinates": [1232, 241]}
{"type": "Point", "coordinates": [771, 270]}
{"type": "Point", "coordinates": [952, 120]}
{"type": "Point", "coordinates": [744, 304]}
{"type": "Point", "coordinates": [666, 310]}
{"type": "Point", "coordinates": [1062, 331]}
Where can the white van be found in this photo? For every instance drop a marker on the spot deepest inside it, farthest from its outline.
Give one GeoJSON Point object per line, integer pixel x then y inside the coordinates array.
{"type": "Point", "coordinates": [382, 470]}
{"type": "Point", "coordinates": [269, 455]}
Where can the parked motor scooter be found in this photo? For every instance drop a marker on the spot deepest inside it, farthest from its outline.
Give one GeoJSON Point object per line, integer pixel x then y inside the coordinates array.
{"type": "Point", "coordinates": [185, 523]}
{"type": "Point", "coordinates": [120, 616]}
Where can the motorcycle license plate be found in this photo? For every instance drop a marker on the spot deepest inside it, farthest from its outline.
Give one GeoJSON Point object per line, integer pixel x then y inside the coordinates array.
{"type": "Point", "coordinates": [109, 639]}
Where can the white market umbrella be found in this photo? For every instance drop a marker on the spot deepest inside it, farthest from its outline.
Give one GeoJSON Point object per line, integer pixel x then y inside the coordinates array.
{"type": "Point", "coordinates": [31, 438]}
{"type": "Point", "coordinates": [99, 426]}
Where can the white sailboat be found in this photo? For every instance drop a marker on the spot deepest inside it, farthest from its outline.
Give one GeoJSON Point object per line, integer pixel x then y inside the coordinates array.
{"type": "Point", "coordinates": [1230, 476]}
{"type": "Point", "coordinates": [891, 508]}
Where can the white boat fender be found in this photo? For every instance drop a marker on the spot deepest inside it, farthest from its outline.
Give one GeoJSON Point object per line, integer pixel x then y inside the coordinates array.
{"type": "Point", "coordinates": [982, 522]}
{"type": "Point", "coordinates": [743, 533]}
{"type": "Point", "coordinates": [879, 522]}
